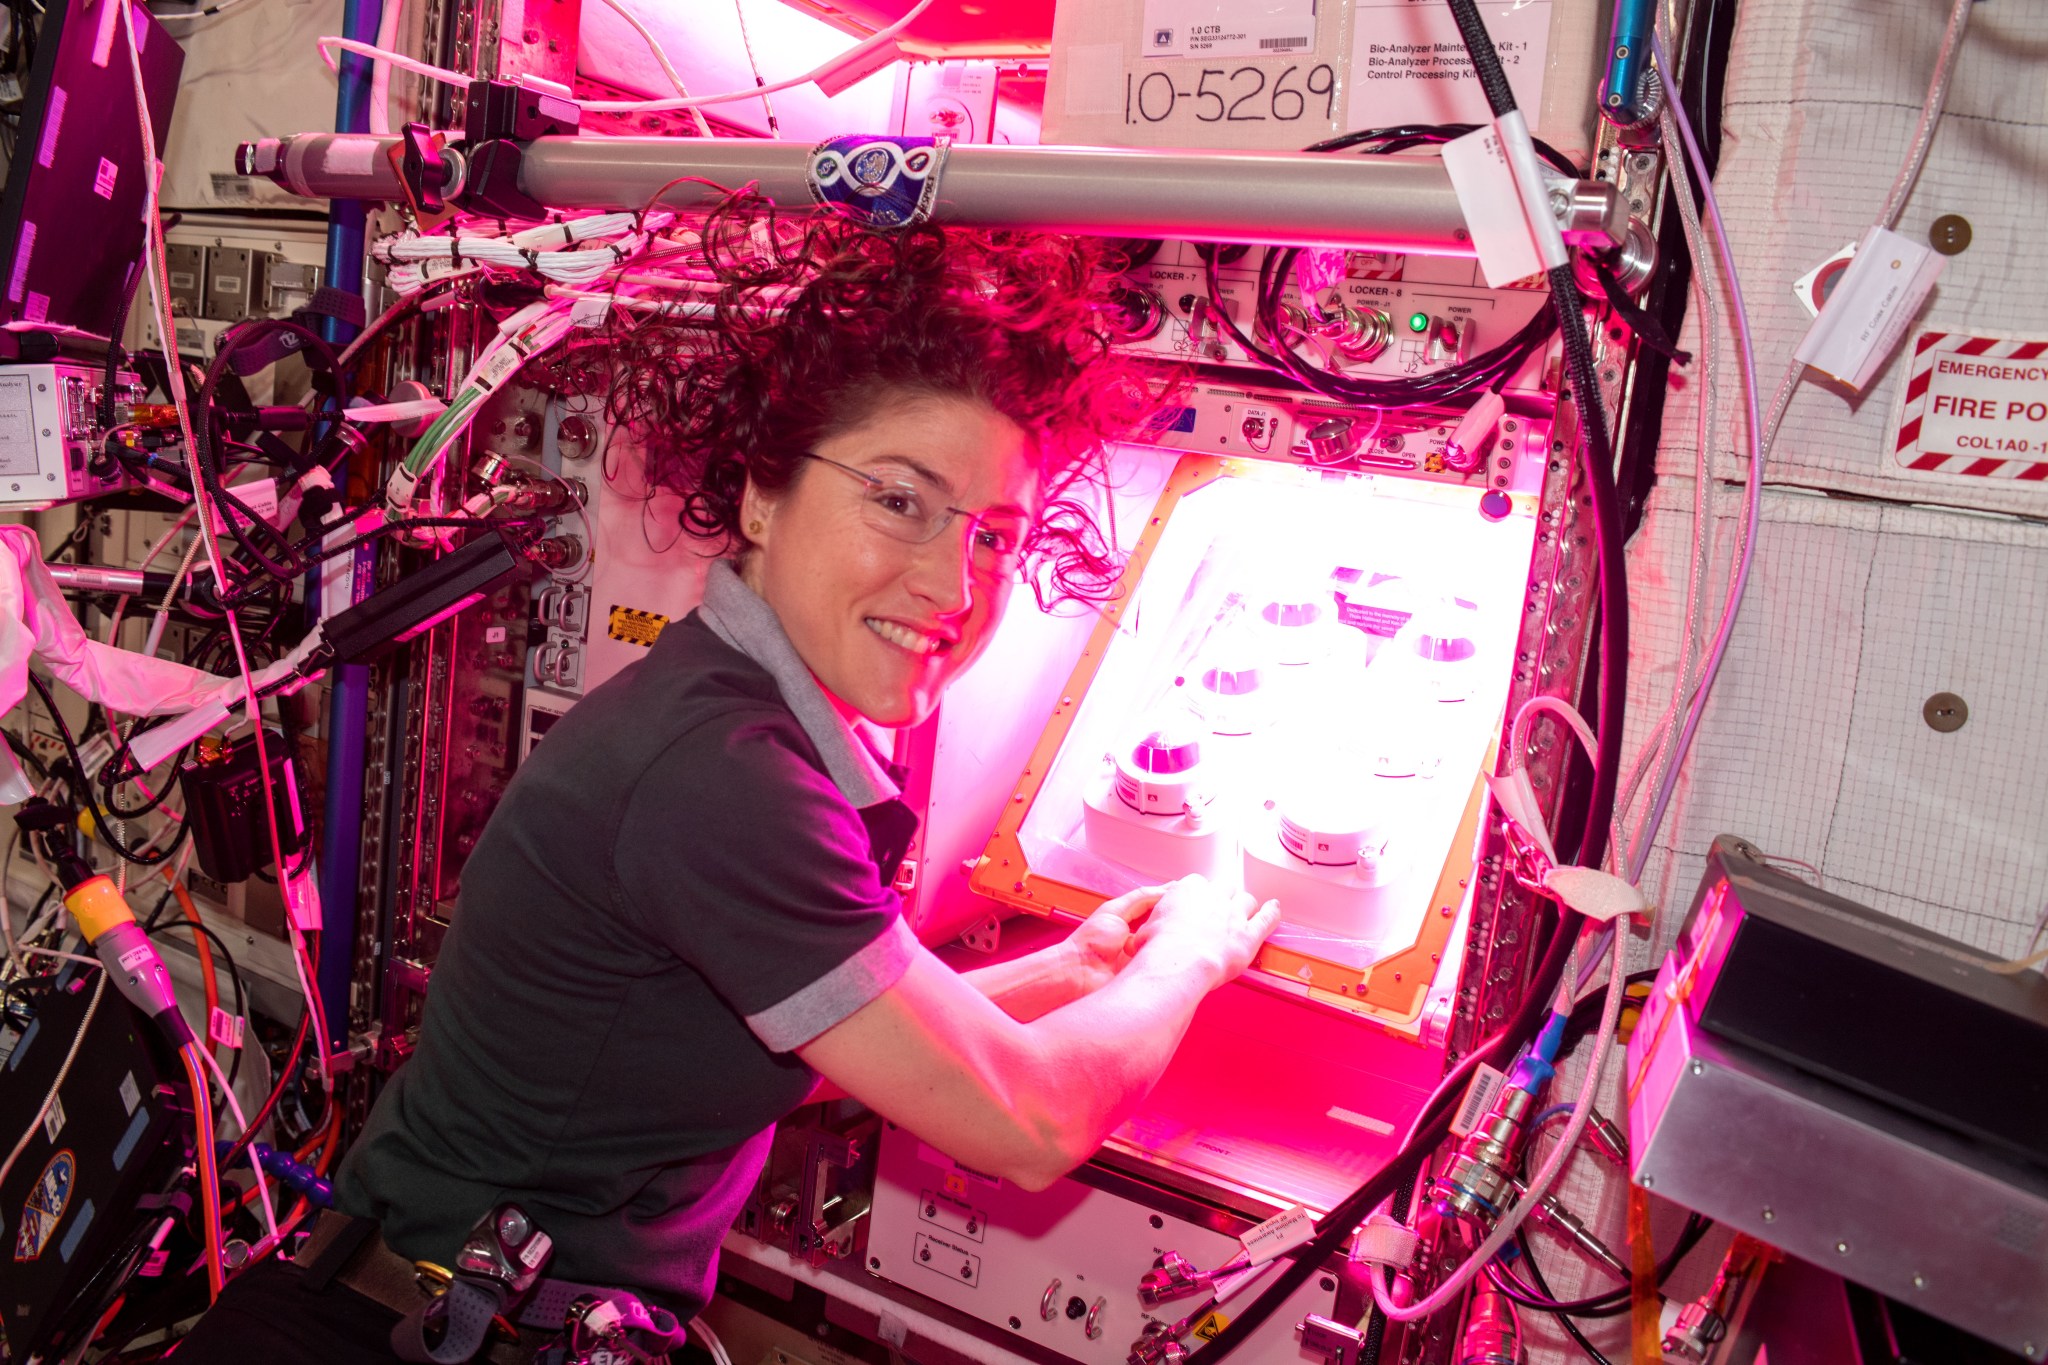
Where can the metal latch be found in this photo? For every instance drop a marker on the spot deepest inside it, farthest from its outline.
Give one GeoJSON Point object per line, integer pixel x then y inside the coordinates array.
{"type": "Point", "coordinates": [1333, 1341]}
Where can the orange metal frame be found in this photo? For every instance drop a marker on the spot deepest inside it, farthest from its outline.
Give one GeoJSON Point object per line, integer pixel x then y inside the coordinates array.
{"type": "Point", "coordinates": [1392, 989]}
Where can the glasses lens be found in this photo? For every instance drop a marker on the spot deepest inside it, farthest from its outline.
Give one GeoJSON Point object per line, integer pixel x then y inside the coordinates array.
{"type": "Point", "coordinates": [903, 511]}
{"type": "Point", "coordinates": [999, 541]}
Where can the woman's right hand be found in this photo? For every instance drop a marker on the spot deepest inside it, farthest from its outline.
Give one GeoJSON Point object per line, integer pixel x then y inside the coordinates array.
{"type": "Point", "coordinates": [1195, 926]}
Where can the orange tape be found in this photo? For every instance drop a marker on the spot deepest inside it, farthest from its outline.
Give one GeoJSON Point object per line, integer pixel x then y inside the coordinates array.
{"type": "Point", "coordinates": [1645, 1312]}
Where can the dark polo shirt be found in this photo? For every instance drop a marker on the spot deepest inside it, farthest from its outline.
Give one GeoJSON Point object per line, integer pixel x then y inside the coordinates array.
{"type": "Point", "coordinates": [684, 883]}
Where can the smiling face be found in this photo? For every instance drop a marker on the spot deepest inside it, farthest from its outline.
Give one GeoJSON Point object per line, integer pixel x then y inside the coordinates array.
{"type": "Point", "coordinates": [883, 623]}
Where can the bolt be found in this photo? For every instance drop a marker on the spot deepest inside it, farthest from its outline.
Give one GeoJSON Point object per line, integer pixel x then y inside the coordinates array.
{"type": "Point", "coordinates": [966, 1272]}
{"type": "Point", "coordinates": [1770, 1214]}
{"type": "Point", "coordinates": [874, 1263]}
{"type": "Point", "coordinates": [1647, 1181]}
{"type": "Point", "coordinates": [1919, 1281]}
{"type": "Point", "coordinates": [1842, 1248]}
{"type": "Point", "coordinates": [1157, 1221]}
{"type": "Point", "coordinates": [1699, 1068]}
{"type": "Point", "coordinates": [1015, 1325]}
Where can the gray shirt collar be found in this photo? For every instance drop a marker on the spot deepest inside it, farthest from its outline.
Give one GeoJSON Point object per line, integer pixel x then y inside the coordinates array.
{"type": "Point", "coordinates": [738, 616]}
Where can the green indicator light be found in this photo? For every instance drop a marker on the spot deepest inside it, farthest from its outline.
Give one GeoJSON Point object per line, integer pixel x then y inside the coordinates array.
{"type": "Point", "coordinates": [1418, 322]}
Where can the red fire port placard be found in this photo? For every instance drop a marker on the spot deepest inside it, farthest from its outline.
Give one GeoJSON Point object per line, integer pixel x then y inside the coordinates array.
{"type": "Point", "coordinates": [1974, 406]}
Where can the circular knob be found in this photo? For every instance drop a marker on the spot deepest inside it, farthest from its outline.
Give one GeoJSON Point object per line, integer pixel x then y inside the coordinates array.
{"type": "Point", "coordinates": [1330, 440]}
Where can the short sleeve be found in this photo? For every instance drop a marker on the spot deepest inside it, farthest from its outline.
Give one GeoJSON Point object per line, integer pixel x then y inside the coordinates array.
{"type": "Point", "coordinates": [740, 856]}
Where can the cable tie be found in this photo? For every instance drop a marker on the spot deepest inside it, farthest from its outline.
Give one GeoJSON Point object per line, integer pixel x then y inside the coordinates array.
{"type": "Point", "coordinates": [532, 260]}
{"type": "Point", "coordinates": [455, 251]}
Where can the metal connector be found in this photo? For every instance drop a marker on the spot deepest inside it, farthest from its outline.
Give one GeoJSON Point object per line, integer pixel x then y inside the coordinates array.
{"type": "Point", "coordinates": [1476, 1181]}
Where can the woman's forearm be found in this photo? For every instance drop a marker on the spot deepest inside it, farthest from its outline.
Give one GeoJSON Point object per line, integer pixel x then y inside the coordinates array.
{"type": "Point", "coordinates": [1031, 986]}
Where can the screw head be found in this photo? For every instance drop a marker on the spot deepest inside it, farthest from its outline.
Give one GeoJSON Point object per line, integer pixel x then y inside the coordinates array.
{"type": "Point", "coordinates": [1841, 1248]}
{"type": "Point", "coordinates": [1919, 1281]}
{"type": "Point", "coordinates": [1770, 1214]}
{"type": "Point", "coordinates": [874, 1263]}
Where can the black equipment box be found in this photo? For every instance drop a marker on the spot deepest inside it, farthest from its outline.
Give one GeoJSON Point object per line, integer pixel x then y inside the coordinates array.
{"type": "Point", "coordinates": [1906, 1016]}
{"type": "Point", "coordinates": [121, 1125]}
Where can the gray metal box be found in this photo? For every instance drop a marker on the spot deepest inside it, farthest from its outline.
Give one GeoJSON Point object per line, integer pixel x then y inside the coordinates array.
{"type": "Point", "coordinates": [228, 281]}
{"type": "Point", "coordinates": [186, 266]}
{"type": "Point", "coordinates": [1879, 1197]}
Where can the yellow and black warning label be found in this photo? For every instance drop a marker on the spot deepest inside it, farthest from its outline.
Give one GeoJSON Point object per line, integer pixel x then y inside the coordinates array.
{"type": "Point", "coordinates": [1211, 1325]}
{"type": "Point", "coordinates": [635, 627]}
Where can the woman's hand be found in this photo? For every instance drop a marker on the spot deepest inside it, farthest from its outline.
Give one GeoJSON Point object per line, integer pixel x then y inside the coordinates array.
{"type": "Point", "coordinates": [1101, 944]}
{"type": "Point", "coordinates": [1196, 926]}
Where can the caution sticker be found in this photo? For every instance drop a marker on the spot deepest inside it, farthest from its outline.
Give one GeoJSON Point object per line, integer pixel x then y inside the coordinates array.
{"type": "Point", "coordinates": [1973, 407]}
{"type": "Point", "coordinates": [1211, 1326]}
{"type": "Point", "coordinates": [636, 627]}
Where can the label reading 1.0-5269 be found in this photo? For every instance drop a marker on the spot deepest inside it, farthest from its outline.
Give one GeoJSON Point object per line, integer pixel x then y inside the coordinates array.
{"type": "Point", "coordinates": [1223, 95]}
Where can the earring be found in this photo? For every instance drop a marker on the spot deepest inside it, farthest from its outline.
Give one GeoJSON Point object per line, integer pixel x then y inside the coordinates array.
{"type": "Point", "coordinates": [753, 528]}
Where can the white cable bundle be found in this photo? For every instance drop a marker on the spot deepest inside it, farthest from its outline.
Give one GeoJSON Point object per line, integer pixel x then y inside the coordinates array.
{"type": "Point", "coordinates": [574, 251]}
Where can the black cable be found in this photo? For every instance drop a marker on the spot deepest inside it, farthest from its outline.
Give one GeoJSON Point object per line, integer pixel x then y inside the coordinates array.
{"type": "Point", "coordinates": [251, 528]}
{"type": "Point", "coordinates": [1336, 1227]}
{"type": "Point", "coordinates": [1564, 1320]}
{"type": "Point", "coordinates": [234, 974]}
{"type": "Point", "coordinates": [1598, 463]}
{"type": "Point", "coordinates": [104, 826]}
{"type": "Point", "coordinates": [1614, 1302]}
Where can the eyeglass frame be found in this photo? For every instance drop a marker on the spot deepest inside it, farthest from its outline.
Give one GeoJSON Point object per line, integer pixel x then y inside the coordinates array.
{"type": "Point", "coordinates": [938, 524]}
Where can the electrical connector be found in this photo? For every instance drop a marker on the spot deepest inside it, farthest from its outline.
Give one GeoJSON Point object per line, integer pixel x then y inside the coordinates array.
{"type": "Point", "coordinates": [1467, 446]}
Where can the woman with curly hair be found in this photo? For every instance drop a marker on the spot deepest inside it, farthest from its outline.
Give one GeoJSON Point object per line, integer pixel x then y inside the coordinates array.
{"type": "Point", "coordinates": [680, 916]}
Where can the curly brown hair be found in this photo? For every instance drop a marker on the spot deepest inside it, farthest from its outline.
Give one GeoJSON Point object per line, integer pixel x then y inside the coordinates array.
{"type": "Point", "coordinates": [817, 320]}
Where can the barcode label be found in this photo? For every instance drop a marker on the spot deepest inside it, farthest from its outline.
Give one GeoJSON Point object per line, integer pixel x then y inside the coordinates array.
{"type": "Point", "coordinates": [1479, 1096]}
{"type": "Point", "coordinates": [224, 1028]}
{"type": "Point", "coordinates": [1281, 44]}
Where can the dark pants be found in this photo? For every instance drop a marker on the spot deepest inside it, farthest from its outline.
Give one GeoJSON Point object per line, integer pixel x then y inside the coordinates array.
{"type": "Point", "coordinates": [267, 1315]}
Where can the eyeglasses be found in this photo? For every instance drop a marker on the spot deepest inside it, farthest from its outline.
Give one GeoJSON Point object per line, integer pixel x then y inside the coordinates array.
{"type": "Point", "coordinates": [903, 507]}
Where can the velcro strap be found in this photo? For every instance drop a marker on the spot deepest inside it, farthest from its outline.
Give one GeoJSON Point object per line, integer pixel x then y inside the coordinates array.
{"type": "Point", "coordinates": [464, 1313]}
{"type": "Point", "coordinates": [252, 357]}
{"type": "Point", "coordinates": [1600, 896]}
{"type": "Point", "coordinates": [1384, 1241]}
{"type": "Point", "coordinates": [340, 304]}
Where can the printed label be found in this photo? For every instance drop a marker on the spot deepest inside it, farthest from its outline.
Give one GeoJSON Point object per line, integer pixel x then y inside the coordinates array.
{"type": "Point", "coordinates": [1876, 298]}
{"type": "Point", "coordinates": [635, 627]}
{"type": "Point", "coordinates": [1232, 92]}
{"type": "Point", "coordinates": [53, 121]}
{"type": "Point", "coordinates": [53, 1118]}
{"type": "Point", "coordinates": [103, 182]}
{"type": "Point", "coordinates": [1974, 407]}
{"type": "Point", "coordinates": [130, 1092]}
{"type": "Point", "coordinates": [1282, 1232]}
{"type": "Point", "coordinates": [1228, 28]}
{"type": "Point", "coordinates": [1408, 62]}
{"type": "Point", "coordinates": [1486, 1083]}
{"type": "Point", "coordinates": [224, 1028]}
{"type": "Point", "coordinates": [1492, 200]}
{"type": "Point", "coordinates": [136, 958]}
{"type": "Point", "coordinates": [941, 1257]}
